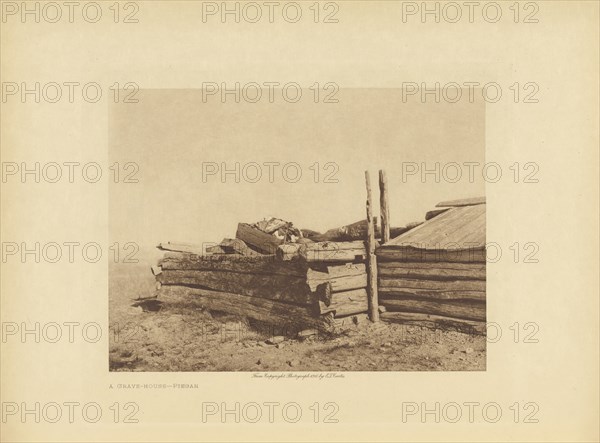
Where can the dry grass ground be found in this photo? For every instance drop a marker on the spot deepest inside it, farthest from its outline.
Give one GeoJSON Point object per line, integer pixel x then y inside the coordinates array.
{"type": "Point", "coordinates": [177, 335]}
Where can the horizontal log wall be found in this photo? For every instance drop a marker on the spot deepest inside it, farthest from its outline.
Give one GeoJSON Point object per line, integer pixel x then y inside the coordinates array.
{"type": "Point", "coordinates": [341, 289]}
{"type": "Point", "coordinates": [323, 282]}
{"type": "Point", "coordinates": [414, 254]}
{"type": "Point", "coordinates": [285, 288]}
{"type": "Point", "coordinates": [265, 265]}
{"type": "Point", "coordinates": [268, 311]}
{"type": "Point", "coordinates": [429, 288]}
{"type": "Point", "coordinates": [341, 278]}
{"type": "Point", "coordinates": [435, 285]}
{"type": "Point", "coordinates": [432, 270]}
{"type": "Point", "coordinates": [329, 288]}
{"type": "Point", "coordinates": [429, 294]}
{"type": "Point", "coordinates": [346, 303]}
{"type": "Point", "coordinates": [417, 288]}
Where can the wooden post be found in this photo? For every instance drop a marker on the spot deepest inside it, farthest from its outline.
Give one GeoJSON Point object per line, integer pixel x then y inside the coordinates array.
{"type": "Point", "coordinates": [371, 259]}
{"type": "Point", "coordinates": [384, 208]}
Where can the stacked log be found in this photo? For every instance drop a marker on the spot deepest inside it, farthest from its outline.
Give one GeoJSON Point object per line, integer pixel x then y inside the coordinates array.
{"type": "Point", "coordinates": [287, 317]}
{"type": "Point", "coordinates": [323, 252]}
{"type": "Point", "coordinates": [275, 273]}
{"type": "Point", "coordinates": [337, 274]}
{"type": "Point", "coordinates": [309, 287]}
{"type": "Point", "coordinates": [262, 287]}
{"type": "Point", "coordinates": [445, 293]}
{"type": "Point", "coordinates": [343, 290]}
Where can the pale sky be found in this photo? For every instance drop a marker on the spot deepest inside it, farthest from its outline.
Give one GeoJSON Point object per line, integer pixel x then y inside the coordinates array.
{"type": "Point", "coordinates": [170, 133]}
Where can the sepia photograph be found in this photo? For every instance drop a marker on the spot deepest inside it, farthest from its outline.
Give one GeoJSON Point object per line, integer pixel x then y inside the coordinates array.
{"type": "Point", "coordinates": [273, 253]}
{"type": "Point", "coordinates": [298, 221]}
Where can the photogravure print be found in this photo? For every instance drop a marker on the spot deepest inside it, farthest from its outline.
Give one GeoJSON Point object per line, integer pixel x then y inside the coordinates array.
{"type": "Point", "coordinates": [228, 220]}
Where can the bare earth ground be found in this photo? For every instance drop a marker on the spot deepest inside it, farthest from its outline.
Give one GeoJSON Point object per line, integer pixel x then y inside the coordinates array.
{"type": "Point", "coordinates": [177, 335]}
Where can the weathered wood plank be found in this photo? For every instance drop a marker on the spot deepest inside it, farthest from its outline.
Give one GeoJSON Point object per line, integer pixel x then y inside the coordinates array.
{"type": "Point", "coordinates": [346, 303]}
{"type": "Point", "coordinates": [413, 254]}
{"type": "Point", "coordinates": [445, 285]}
{"type": "Point", "coordinates": [346, 270]}
{"type": "Point", "coordinates": [432, 270]}
{"type": "Point", "coordinates": [384, 208]}
{"type": "Point", "coordinates": [342, 278]}
{"type": "Point", "coordinates": [263, 242]}
{"type": "Point", "coordinates": [373, 305]}
{"type": "Point", "coordinates": [255, 265]}
{"type": "Point", "coordinates": [283, 288]}
{"type": "Point", "coordinates": [464, 309]}
{"type": "Point", "coordinates": [268, 311]}
{"type": "Point", "coordinates": [346, 283]}
{"type": "Point", "coordinates": [433, 265]}
{"type": "Point", "coordinates": [315, 278]}
{"type": "Point", "coordinates": [435, 322]}
{"type": "Point", "coordinates": [333, 251]}
{"type": "Point", "coordinates": [457, 228]}
{"type": "Point", "coordinates": [432, 294]}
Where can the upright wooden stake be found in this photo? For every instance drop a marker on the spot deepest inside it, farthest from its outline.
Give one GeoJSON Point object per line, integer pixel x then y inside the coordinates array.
{"type": "Point", "coordinates": [384, 208]}
{"type": "Point", "coordinates": [371, 259]}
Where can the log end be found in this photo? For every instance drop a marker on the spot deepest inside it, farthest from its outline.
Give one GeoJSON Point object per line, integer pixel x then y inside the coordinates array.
{"type": "Point", "coordinates": [325, 293]}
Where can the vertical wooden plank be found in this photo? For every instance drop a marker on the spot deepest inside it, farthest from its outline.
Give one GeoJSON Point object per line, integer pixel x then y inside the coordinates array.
{"type": "Point", "coordinates": [371, 258]}
{"type": "Point", "coordinates": [384, 208]}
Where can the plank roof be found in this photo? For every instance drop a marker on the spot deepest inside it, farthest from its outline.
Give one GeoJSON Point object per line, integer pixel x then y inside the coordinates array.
{"type": "Point", "coordinates": [460, 227]}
